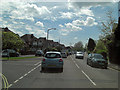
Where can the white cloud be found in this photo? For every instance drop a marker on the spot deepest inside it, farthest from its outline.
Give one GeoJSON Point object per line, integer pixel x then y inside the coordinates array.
{"type": "Point", "coordinates": [39, 24]}
{"type": "Point", "coordinates": [75, 37]}
{"type": "Point", "coordinates": [61, 25]}
{"type": "Point", "coordinates": [79, 23]}
{"type": "Point", "coordinates": [23, 10]}
{"type": "Point", "coordinates": [64, 32]}
{"type": "Point", "coordinates": [90, 21]}
{"type": "Point", "coordinates": [28, 28]}
{"type": "Point", "coordinates": [72, 27]}
{"type": "Point", "coordinates": [68, 15]}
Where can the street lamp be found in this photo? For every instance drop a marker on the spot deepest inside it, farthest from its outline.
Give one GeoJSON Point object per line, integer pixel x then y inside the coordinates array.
{"type": "Point", "coordinates": [49, 30]}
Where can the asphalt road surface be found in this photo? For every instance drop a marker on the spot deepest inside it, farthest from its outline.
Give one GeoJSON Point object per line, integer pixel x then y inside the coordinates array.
{"type": "Point", "coordinates": [76, 74]}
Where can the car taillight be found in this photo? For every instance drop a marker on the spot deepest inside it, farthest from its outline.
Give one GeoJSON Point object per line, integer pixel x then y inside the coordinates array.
{"type": "Point", "coordinates": [43, 60]}
{"type": "Point", "coordinates": [60, 60]}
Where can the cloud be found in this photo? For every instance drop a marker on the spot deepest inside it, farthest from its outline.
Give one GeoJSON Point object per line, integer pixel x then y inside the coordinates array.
{"type": "Point", "coordinates": [64, 32]}
{"type": "Point", "coordinates": [23, 10]}
{"type": "Point", "coordinates": [68, 15]}
{"type": "Point", "coordinates": [75, 37]}
{"type": "Point", "coordinates": [61, 25]}
{"type": "Point", "coordinates": [28, 28]}
{"type": "Point", "coordinates": [39, 24]}
{"type": "Point", "coordinates": [90, 21]}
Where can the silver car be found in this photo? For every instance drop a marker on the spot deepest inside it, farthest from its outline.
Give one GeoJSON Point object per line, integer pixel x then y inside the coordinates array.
{"type": "Point", "coordinates": [52, 60]}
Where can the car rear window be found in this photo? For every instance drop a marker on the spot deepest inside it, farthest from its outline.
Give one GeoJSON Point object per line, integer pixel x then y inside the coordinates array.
{"type": "Point", "coordinates": [98, 56]}
{"type": "Point", "coordinates": [52, 55]}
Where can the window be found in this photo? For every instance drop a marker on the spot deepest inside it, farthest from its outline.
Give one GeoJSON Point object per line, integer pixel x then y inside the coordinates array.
{"type": "Point", "coordinates": [52, 55]}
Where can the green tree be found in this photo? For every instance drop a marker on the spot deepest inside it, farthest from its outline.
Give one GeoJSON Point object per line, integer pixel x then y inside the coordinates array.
{"type": "Point", "coordinates": [11, 41]}
{"type": "Point", "coordinates": [78, 46]}
{"type": "Point", "coordinates": [91, 45]}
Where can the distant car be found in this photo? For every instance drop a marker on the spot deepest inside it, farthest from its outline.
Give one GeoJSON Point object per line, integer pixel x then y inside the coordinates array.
{"type": "Point", "coordinates": [9, 53]}
{"type": "Point", "coordinates": [39, 53]}
{"type": "Point", "coordinates": [52, 60]}
{"type": "Point", "coordinates": [64, 54]}
{"type": "Point", "coordinates": [97, 60]}
{"type": "Point", "coordinates": [79, 55]}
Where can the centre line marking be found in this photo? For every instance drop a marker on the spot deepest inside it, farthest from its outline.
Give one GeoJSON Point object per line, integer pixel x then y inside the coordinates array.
{"type": "Point", "coordinates": [77, 65]}
{"type": "Point", "coordinates": [24, 75]}
{"type": "Point", "coordinates": [88, 78]}
{"type": "Point", "coordinates": [16, 81]}
{"type": "Point", "coordinates": [37, 63]}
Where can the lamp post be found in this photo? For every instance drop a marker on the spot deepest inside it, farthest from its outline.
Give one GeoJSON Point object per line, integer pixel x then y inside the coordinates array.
{"type": "Point", "coordinates": [49, 30]}
{"type": "Point", "coordinates": [48, 34]}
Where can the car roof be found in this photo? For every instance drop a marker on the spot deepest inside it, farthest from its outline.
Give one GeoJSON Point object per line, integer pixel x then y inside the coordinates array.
{"type": "Point", "coordinates": [53, 52]}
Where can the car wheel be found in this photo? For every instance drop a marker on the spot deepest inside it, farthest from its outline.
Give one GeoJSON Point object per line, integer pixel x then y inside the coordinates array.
{"type": "Point", "coordinates": [87, 63]}
{"type": "Point", "coordinates": [42, 69]}
{"type": "Point", "coordinates": [91, 64]}
{"type": "Point", "coordinates": [105, 67]}
{"type": "Point", "coordinates": [61, 69]}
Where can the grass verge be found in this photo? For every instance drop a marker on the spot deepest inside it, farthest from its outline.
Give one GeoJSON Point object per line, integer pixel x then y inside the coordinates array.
{"type": "Point", "coordinates": [16, 58]}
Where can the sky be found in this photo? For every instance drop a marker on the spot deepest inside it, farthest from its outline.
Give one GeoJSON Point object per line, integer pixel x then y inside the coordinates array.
{"type": "Point", "coordinates": [74, 20]}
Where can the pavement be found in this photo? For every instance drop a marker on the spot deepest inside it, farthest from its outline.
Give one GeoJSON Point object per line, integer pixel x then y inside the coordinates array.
{"type": "Point", "coordinates": [76, 74]}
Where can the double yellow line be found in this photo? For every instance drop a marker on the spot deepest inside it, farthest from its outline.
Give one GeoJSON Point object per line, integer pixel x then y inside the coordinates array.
{"type": "Point", "coordinates": [6, 84]}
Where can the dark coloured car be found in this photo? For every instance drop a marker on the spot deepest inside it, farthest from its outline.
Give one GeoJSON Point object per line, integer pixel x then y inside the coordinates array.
{"type": "Point", "coordinates": [9, 53]}
{"type": "Point", "coordinates": [39, 53]}
{"type": "Point", "coordinates": [97, 60]}
{"type": "Point", "coordinates": [64, 54]}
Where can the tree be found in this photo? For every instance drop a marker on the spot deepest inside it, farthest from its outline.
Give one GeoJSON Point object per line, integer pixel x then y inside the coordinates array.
{"type": "Point", "coordinates": [11, 41]}
{"type": "Point", "coordinates": [78, 46]}
{"type": "Point", "coordinates": [91, 45]}
{"type": "Point", "coordinates": [107, 27]}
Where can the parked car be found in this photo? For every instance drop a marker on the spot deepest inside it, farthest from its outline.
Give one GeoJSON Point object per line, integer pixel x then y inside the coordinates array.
{"type": "Point", "coordinates": [52, 60]}
{"type": "Point", "coordinates": [39, 53]}
{"type": "Point", "coordinates": [9, 53]}
{"type": "Point", "coordinates": [79, 55]}
{"type": "Point", "coordinates": [64, 54]}
{"type": "Point", "coordinates": [97, 60]}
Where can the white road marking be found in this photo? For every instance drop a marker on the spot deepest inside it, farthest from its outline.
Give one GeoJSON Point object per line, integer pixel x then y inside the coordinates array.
{"type": "Point", "coordinates": [37, 63]}
{"type": "Point", "coordinates": [112, 69]}
{"type": "Point", "coordinates": [89, 78]}
{"type": "Point", "coordinates": [21, 77]}
{"type": "Point", "coordinates": [16, 81]}
{"type": "Point", "coordinates": [24, 75]}
{"type": "Point", "coordinates": [10, 85]}
{"type": "Point", "coordinates": [85, 73]}
{"type": "Point", "coordinates": [77, 65]}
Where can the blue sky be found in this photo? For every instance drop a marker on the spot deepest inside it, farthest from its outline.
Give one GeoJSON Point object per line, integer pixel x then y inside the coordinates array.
{"type": "Point", "coordinates": [74, 21]}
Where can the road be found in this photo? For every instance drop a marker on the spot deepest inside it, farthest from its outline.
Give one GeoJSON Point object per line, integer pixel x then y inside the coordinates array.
{"type": "Point", "coordinates": [76, 74]}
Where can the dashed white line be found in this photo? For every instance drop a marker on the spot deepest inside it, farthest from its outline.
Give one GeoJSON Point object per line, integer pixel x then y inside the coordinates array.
{"type": "Point", "coordinates": [21, 77]}
{"type": "Point", "coordinates": [37, 63]}
{"type": "Point", "coordinates": [77, 65]}
{"type": "Point", "coordinates": [24, 75]}
{"type": "Point", "coordinates": [84, 73]}
{"type": "Point", "coordinates": [10, 85]}
{"type": "Point", "coordinates": [88, 78]}
{"type": "Point", "coordinates": [16, 81]}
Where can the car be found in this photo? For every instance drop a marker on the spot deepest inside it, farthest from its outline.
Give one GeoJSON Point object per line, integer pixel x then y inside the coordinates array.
{"type": "Point", "coordinates": [97, 60]}
{"type": "Point", "coordinates": [39, 53]}
{"type": "Point", "coordinates": [79, 55]}
{"type": "Point", "coordinates": [52, 59]}
{"type": "Point", "coordinates": [64, 54]}
{"type": "Point", "coordinates": [9, 53]}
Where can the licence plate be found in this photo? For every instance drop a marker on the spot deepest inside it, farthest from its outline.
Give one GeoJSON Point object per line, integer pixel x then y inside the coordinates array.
{"type": "Point", "coordinates": [101, 63]}
{"type": "Point", "coordinates": [52, 65]}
